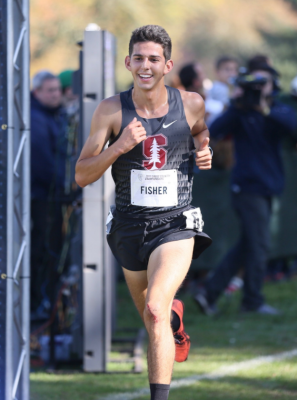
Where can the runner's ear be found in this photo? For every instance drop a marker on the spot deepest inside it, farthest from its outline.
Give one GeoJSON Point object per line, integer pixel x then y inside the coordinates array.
{"type": "Point", "coordinates": [168, 66]}
{"type": "Point", "coordinates": [127, 63]}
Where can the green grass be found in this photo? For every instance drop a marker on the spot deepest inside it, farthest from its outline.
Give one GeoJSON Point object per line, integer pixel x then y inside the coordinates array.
{"type": "Point", "coordinates": [228, 338]}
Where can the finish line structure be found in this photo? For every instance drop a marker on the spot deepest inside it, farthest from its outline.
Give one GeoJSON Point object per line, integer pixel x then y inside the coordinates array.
{"type": "Point", "coordinates": [15, 204]}
{"type": "Point", "coordinates": [15, 200]}
{"type": "Point", "coordinates": [98, 83]}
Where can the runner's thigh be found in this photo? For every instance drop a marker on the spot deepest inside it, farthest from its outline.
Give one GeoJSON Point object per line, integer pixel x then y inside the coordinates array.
{"type": "Point", "coordinates": [167, 268]}
{"type": "Point", "coordinates": [137, 284]}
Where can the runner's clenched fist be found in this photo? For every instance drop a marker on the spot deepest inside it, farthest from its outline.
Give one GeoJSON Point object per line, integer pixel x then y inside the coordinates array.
{"type": "Point", "coordinates": [133, 134]}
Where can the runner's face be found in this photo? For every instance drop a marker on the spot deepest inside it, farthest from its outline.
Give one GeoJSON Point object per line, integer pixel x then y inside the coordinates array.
{"type": "Point", "coordinates": [147, 64]}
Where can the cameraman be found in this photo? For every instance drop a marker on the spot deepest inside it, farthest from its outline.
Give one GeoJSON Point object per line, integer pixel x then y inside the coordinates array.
{"type": "Point", "coordinates": [257, 124]}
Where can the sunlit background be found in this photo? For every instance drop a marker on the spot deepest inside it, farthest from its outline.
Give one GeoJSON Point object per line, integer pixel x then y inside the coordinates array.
{"type": "Point", "coordinates": [201, 30]}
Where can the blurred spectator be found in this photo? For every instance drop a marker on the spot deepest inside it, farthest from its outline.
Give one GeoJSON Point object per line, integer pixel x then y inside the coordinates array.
{"type": "Point", "coordinates": [294, 91]}
{"type": "Point", "coordinates": [70, 103]}
{"type": "Point", "coordinates": [226, 71]}
{"type": "Point", "coordinates": [284, 227]}
{"type": "Point", "coordinates": [218, 99]}
{"type": "Point", "coordinates": [69, 99]}
{"type": "Point", "coordinates": [257, 176]}
{"type": "Point", "coordinates": [262, 59]}
{"type": "Point", "coordinates": [48, 140]}
{"type": "Point", "coordinates": [216, 209]}
{"type": "Point", "coordinates": [174, 81]}
{"type": "Point", "coordinates": [191, 77]}
{"type": "Point", "coordinates": [258, 59]}
{"type": "Point", "coordinates": [290, 98]}
{"type": "Point", "coordinates": [48, 154]}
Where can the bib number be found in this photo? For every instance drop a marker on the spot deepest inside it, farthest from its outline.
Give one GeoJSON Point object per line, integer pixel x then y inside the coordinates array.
{"type": "Point", "coordinates": [154, 188]}
{"type": "Point", "coordinates": [194, 219]}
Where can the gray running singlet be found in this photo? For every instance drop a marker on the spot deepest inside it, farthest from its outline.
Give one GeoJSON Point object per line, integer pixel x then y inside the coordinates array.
{"type": "Point", "coordinates": [168, 147]}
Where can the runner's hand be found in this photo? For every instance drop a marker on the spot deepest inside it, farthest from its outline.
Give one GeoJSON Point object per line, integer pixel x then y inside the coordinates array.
{"type": "Point", "coordinates": [203, 156]}
{"type": "Point", "coordinates": [133, 134]}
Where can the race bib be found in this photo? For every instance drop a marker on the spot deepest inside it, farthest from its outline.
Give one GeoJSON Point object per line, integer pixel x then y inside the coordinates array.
{"type": "Point", "coordinates": [154, 188]}
{"type": "Point", "coordinates": [194, 219]}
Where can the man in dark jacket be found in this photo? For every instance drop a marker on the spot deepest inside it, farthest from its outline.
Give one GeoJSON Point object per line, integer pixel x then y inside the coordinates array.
{"type": "Point", "coordinates": [257, 176]}
{"type": "Point", "coordinates": [48, 156]}
{"type": "Point", "coordinates": [284, 227]}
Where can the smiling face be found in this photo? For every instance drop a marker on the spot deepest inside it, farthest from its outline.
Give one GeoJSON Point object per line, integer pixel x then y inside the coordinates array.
{"type": "Point", "coordinates": [147, 64]}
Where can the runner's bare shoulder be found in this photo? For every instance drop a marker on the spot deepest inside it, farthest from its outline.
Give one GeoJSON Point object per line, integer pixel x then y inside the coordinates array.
{"type": "Point", "coordinates": [106, 122]}
{"type": "Point", "coordinates": [193, 106]}
{"type": "Point", "coordinates": [191, 100]}
{"type": "Point", "coordinates": [108, 114]}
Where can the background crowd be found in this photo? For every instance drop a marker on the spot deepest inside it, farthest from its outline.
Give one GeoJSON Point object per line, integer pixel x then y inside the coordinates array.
{"type": "Point", "coordinates": [249, 121]}
{"type": "Point", "coordinates": [54, 150]}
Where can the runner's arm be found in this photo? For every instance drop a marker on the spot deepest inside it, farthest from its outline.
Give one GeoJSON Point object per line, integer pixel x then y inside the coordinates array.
{"type": "Point", "coordinates": [93, 161]}
{"type": "Point", "coordinates": [195, 112]}
{"type": "Point", "coordinates": [199, 130]}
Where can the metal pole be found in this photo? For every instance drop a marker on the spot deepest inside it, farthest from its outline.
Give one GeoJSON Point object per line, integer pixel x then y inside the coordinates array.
{"type": "Point", "coordinates": [10, 134]}
{"type": "Point", "coordinates": [25, 381]}
{"type": "Point", "coordinates": [18, 202]}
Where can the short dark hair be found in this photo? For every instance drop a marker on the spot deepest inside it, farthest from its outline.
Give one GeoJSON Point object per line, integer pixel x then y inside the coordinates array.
{"type": "Point", "coordinates": [187, 75]}
{"type": "Point", "coordinates": [152, 33]}
{"type": "Point", "coordinates": [257, 60]}
{"type": "Point", "coordinates": [224, 59]}
{"type": "Point", "coordinates": [260, 62]}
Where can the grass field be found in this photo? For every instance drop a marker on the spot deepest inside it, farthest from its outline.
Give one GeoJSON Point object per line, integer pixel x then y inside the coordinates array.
{"type": "Point", "coordinates": [216, 342]}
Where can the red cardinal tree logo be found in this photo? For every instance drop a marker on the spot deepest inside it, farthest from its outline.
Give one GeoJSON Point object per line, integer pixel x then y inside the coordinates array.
{"type": "Point", "coordinates": [156, 156]}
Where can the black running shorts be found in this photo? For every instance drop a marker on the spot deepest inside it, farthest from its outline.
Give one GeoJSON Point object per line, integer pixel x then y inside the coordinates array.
{"type": "Point", "coordinates": [132, 238]}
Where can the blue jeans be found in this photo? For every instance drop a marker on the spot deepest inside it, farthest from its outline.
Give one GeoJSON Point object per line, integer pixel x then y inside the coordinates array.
{"type": "Point", "coordinates": [250, 253]}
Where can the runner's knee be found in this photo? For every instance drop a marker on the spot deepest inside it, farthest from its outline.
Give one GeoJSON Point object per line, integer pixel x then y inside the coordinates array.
{"type": "Point", "coordinates": [154, 313]}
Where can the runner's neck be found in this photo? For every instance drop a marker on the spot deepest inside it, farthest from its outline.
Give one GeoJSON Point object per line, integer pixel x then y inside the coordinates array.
{"type": "Point", "coordinates": [151, 103]}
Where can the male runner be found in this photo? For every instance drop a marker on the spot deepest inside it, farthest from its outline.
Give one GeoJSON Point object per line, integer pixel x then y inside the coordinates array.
{"type": "Point", "coordinates": [153, 131]}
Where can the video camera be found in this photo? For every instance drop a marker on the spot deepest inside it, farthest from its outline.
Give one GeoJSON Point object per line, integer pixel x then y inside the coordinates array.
{"type": "Point", "coordinates": [251, 87]}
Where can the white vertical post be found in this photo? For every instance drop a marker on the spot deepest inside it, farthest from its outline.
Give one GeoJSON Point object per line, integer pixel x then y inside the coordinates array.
{"type": "Point", "coordinates": [93, 286]}
{"type": "Point", "coordinates": [98, 83]}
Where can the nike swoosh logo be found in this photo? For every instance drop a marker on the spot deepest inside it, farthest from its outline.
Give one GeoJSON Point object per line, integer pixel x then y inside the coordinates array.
{"type": "Point", "coordinates": [166, 126]}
